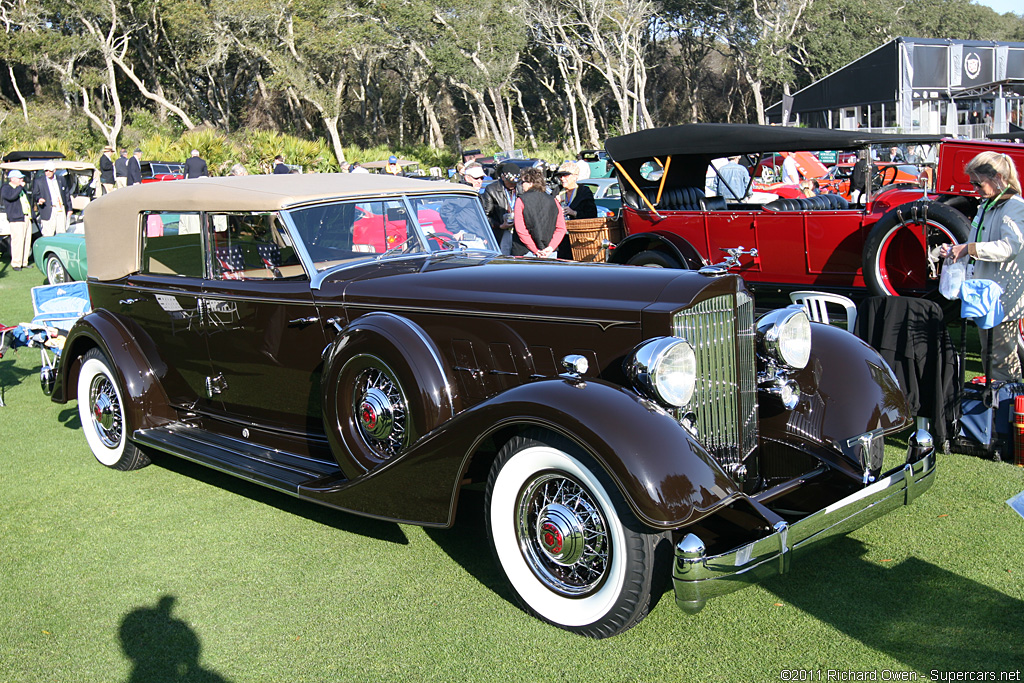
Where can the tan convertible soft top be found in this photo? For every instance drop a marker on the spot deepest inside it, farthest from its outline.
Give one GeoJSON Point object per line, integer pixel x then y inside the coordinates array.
{"type": "Point", "coordinates": [112, 224]}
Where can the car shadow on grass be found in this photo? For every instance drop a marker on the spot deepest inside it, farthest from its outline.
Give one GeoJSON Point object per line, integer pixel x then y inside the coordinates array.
{"type": "Point", "coordinates": [336, 519]}
{"type": "Point", "coordinates": [466, 543]}
{"type": "Point", "coordinates": [919, 614]}
{"type": "Point", "coordinates": [69, 417]}
{"type": "Point", "coordinates": [162, 647]}
{"type": "Point", "coordinates": [10, 374]}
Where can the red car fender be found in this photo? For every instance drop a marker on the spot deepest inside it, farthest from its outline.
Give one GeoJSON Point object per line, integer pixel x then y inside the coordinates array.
{"type": "Point", "coordinates": [678, 248]}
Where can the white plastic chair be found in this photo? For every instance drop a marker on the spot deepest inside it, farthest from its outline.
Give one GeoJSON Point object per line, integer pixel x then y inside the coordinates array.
{"type": "Point", "coordinates": [816, 305]}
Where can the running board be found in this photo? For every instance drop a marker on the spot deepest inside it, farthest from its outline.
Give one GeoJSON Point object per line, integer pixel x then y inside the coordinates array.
{"type": "Point", "coordinates": [265, 466]}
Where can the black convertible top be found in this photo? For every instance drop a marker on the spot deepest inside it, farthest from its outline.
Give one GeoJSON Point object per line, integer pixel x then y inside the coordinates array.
{"type": "Point", "coordinates": [728, 139]}
{"type": "Point", "coordinates": [31, 156]}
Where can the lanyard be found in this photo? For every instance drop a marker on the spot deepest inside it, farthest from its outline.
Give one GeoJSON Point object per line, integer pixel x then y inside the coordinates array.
{"type": "Point", "coordinates": [511, 195]}
{"type": "Point", "coordinates": [979, 220]}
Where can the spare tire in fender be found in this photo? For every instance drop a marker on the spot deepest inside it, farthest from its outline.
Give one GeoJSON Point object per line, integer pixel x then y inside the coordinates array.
{"type": "Point", "coordinates": [384, 386]}
{"type": "Point", "coordinates": [898, 259]}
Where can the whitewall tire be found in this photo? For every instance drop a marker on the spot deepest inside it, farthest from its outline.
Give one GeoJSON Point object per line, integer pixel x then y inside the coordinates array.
{"type": "Point", "coordinates": [572, 551]}
{"type": "Point", "coordinates": [102, 413]}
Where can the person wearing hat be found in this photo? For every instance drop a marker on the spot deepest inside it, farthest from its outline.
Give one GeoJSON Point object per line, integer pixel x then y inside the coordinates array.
{"type": "Point", "coordinates": [106, 165]}
{"type": "Point", "coordinates": [17, 208]}
{"type": "Point", "coordinates": [392, 166]}
{"type": "Point", "coordinates": [499, 199]}
{"type": "Point", "coordinates": [135, 168]}
{"type": "Point", "coordinates": [577, 200]}
{"type": "Point", "coordinates": [473, 175]}
{"type": "Point", "coordinates": [52, 201]}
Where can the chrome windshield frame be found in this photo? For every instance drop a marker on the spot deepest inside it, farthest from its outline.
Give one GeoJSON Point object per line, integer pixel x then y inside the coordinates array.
{"type": "Point", "coordinates": [318, 276]}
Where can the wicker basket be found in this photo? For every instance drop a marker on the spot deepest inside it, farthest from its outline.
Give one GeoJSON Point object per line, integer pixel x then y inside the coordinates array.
{"type": "Point", "coordinates": [587, 236]}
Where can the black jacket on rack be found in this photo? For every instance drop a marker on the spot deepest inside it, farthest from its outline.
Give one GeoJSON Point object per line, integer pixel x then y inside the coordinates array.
{"type": "Point", "coordinates": [911, 336]}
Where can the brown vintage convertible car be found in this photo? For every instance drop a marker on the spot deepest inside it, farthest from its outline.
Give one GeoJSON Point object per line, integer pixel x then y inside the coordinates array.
{"type": "Point", "coordinates": [358, 342]}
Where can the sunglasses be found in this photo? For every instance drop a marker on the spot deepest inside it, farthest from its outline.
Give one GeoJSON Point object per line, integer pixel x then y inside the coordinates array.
{"type": "Point", "coordinates": [976, 186]}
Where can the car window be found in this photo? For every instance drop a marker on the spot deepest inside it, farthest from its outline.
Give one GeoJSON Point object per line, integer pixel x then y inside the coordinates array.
{"type": "Point", "coordinates": [453, 221]}
{"type": "Point", "coordinates": [651, 170]}
{"type": "Point", "coordinates": [351, 231]}
{"type": "Point", "coordinates": [613, 192]}
{"type": "Point", "coordinates": [172, 244]}
{"type": "Point", "coordinates": [251, 246]}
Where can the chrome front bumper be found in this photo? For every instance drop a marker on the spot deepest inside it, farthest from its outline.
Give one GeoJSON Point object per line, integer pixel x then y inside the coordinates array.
{"type": "Point", "coordinates": [698, 577]}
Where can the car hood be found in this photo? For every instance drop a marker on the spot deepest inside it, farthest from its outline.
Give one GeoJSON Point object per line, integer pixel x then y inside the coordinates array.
{"type": "Point", "coordinates": [562, 291]}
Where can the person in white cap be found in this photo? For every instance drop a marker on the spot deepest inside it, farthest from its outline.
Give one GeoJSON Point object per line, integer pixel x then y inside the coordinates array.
{"type": "Point", "coordinates": [52, 199]}
{"type": "Point", "coordinates": [473, 175]}
{"type": "Point", "coordinates": [17, 209]}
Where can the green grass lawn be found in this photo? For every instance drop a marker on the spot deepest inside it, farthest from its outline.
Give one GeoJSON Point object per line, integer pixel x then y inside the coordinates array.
{"type": "Point", "coordinates": [176, 572]}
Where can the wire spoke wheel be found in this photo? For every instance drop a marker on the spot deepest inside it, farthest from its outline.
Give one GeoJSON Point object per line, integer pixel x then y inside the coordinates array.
{"type": "Point", "coordinates": [105, 408]}
{"type": "Point", "coordinates": [381, 410]}
{"type": "Point", "coordinates": [572, 550]}
{"type": "Point", "coordinates": [563, 535]}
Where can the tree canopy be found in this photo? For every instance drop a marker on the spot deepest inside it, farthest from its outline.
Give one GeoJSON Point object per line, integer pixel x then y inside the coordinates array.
{"type": "Point", "coordinates": [439, 72]}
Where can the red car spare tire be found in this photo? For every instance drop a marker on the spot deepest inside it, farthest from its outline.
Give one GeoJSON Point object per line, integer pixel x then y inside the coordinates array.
{"type": "Point", "coordinates": [901, 252]}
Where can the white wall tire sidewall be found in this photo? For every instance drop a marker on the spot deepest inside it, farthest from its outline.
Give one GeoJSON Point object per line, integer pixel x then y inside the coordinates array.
{"type": "Point", "coordinates": [92, 368]}
{"type": "Point", "coordinates": [571, 612]}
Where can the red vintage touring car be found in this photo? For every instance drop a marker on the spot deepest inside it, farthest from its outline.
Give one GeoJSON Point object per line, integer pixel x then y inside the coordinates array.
{"type": "Point", "coordinates": [886, 245]}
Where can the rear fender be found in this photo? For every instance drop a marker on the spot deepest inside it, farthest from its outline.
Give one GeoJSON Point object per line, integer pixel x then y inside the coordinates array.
{"type": "Point", "coordinates": [665, 475]}
{"type": "Point", "coordinates": [147, 404]}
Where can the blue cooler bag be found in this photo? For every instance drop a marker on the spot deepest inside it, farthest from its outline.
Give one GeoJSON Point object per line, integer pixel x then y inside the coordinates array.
{"type": "Point", "coordinates": [988, 430]}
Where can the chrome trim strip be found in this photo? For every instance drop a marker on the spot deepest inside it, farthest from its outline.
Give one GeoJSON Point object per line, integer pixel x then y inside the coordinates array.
{"type": "Point", "coordinates": [603, 324]}
{"type": "Point", "coordinates": [698, 578]}
{"type": "Point", "coordinates": [206, 294]}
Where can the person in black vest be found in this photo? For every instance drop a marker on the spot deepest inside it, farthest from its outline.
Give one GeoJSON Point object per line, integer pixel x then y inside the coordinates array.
{"type": "Point", "coordinates": [538, 219]}
{"type": "Point", "coordinates": [195, 166]}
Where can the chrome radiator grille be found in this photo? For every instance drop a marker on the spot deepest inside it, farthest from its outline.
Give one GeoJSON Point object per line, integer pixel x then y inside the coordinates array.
{"type": "Point", "coordinates": [721, 330]}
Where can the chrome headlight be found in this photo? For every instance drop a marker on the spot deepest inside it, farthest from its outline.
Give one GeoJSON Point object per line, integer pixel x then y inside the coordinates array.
{"type": "Point", "coordinates": [784, 336]}
{"type": "Point", "coordinates": [664, 369]}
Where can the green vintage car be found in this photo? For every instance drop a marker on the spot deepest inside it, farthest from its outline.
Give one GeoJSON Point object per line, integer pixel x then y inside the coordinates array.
{"type": "Point", "coordinates": [61, 258]}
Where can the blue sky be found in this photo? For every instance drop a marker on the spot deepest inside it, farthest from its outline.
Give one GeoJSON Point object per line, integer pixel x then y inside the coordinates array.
{"type": "Point", "coordinates": [1003, 6]}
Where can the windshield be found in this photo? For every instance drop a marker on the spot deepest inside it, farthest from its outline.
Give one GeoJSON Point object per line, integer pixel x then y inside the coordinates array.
{"type": "Point", "coordinates": [380, 228]}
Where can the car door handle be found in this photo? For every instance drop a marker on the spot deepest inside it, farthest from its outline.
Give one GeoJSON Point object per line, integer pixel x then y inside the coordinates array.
{"type": "Point", "coordinates": [304, 321]}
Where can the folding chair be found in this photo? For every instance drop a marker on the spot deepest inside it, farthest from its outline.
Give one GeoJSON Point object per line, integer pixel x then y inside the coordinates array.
{"type": "Point", "coordinates": [816, 305]}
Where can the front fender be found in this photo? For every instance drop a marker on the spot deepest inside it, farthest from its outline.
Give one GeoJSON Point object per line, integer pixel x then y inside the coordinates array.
{"type": "Point", "coordinates": [665, 475]}
{"type": "Point", "coordinates": [146, 404]}
{"type": "Point", "coordinates": [847, 390]}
